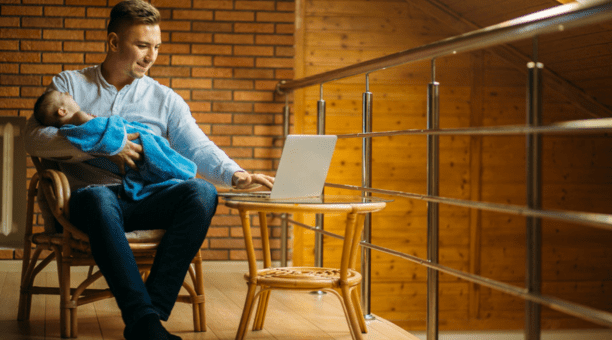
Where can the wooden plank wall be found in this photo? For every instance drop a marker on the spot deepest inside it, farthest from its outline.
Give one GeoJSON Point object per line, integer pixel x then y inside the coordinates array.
{"type": "Point", "coordinates": [477, 89]}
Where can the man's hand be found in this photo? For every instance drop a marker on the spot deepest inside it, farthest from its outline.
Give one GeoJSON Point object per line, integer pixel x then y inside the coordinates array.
{"type": "Point", "coordinates": [245, 180]}
{"type": "Point", "coordinates": [131, 153]}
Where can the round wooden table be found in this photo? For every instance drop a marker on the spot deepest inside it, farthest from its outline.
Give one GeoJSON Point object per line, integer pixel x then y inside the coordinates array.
{"type": "Point", "coordinates": [339, 281]}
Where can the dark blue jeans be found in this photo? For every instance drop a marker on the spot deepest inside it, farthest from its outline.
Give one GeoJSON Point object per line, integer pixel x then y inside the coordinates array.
{"type": "Point", "coordinates": [184, 210]}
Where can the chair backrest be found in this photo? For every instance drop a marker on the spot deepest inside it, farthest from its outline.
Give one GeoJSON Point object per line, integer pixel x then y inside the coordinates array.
{"type": "Point", "coordinates": [51, 225]}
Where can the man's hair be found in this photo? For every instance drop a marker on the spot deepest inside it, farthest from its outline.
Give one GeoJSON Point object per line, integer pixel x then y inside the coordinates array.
{"type": "Point", "coordinates": [43, 110]}
{"type": "Point", "coordinates": [132, 12]}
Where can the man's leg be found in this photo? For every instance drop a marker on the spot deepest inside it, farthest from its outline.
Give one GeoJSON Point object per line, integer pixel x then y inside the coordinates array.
{"type": "Point", "coordinates": [185, 211]}
{"type": "Point", "coordinates": [99, 213]}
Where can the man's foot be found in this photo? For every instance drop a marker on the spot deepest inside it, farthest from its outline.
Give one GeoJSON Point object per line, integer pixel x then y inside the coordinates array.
{"type": "Point", "coordinates": [148, 328]}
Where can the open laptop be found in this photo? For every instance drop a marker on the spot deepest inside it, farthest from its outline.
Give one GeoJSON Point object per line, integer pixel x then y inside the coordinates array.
{"type": "Point", "coordinates": [302, 169]}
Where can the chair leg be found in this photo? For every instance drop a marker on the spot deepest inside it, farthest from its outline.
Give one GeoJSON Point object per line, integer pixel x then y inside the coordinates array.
{"type": "Point", "coordinates": [246, 312]}
{"type": "Point", "coordinates": [262, 307]}
{"type": "Point", "coordinates": [66, 330]}
{"type": "Point", "coordinates": [199, 288]}
{"type": "Point", "coordinates": [27, 281]}
{"type": "Point", "coordinates": [350, 309]}
{"type": "Point", "coordinates": [358, 310]}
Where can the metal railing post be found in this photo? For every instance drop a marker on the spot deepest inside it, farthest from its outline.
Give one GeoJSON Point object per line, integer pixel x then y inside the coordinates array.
{"type": "Point", "coordinates": [318, 247]}
{"type": "Point", "coordinates": [284, 226]}
{"type": "Point", "coordinates": [366, 177]}
{"type": "Point", "coordinates": [433, 155]}
{"type": "Point", "coordinates": [533, 271]}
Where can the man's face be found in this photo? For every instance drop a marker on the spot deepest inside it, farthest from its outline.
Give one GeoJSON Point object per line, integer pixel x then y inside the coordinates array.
{"type": "Point", "coordinates": [137, 49]}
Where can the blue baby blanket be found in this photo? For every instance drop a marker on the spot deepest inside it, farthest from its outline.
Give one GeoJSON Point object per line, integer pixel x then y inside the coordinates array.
{"type": "Point", "coordinates": [106, 136]}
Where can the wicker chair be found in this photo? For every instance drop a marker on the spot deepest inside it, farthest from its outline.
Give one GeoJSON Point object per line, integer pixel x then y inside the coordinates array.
{"type": "Point", "coordinates": [70, 248]}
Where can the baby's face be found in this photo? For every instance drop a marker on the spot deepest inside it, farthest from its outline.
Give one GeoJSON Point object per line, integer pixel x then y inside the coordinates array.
{"type": "Point", "coordinates": [65, 100]}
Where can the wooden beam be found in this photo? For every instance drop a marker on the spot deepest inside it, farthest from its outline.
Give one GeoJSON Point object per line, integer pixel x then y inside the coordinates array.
{"type": "Point", "coordinates": [516, 58]}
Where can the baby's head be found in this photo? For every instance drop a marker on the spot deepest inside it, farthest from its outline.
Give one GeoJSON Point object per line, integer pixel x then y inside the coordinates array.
{"type": "Point", "coordinates": [54, 108]}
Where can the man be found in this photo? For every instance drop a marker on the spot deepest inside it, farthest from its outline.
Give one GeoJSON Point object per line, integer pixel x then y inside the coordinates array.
{"type": "Point", "coordinates": [119, 86]}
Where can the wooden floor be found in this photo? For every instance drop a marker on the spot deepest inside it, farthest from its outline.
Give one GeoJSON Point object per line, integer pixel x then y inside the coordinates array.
{"type": "Point", "coordinates": [291, 315]}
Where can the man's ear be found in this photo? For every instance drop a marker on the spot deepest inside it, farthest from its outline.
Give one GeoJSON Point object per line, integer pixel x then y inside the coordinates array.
{"type": "Point", "coordinates": [113, 41]}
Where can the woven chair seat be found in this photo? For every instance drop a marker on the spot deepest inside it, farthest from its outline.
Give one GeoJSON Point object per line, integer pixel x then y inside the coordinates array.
{"type": "Point", "coordinates": [303, 277]}
{"type": "Point", "coordinates": [139, 240]}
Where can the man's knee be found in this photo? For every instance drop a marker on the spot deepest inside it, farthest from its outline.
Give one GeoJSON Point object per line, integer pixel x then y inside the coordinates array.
{"type": "Point", "coordinates": [201, 195]}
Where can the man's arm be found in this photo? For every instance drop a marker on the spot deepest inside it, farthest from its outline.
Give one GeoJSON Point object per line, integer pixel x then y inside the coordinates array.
{"type": "Point", "coordinates": [46, 142]}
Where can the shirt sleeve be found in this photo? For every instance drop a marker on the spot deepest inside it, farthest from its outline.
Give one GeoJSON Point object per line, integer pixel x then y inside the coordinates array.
{"type": "Point", "coordinates": [187, 138]}
{"type": "Point", "coordinates": [45, 141]}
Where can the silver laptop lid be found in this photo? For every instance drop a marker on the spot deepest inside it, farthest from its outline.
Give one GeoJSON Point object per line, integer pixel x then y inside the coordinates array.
{"type": "Point", "coordinates": [303, 166]}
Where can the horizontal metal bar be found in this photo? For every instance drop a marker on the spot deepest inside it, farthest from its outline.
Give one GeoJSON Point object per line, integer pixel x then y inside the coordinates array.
{"type": "Point", "coordinates": [597, 316]}
{"type": "Point", "coordinates": [551, 20]}
{"type": "Point", "coordinates": [574, 126]}
{"type": "Point", "coordinates": [602, 221]}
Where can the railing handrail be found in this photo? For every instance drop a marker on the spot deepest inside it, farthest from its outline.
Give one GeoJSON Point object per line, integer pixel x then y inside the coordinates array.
{"type": "Point", "coordinates": [551, 20]}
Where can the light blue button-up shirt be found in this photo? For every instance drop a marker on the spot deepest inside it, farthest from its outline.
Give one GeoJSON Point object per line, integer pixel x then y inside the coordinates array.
{"type": "Point", "coordinates": [145, 101]}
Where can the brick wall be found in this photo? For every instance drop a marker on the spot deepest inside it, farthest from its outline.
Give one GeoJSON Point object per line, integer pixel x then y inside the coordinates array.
{"type": "Point", "coordinates": [223, 57]}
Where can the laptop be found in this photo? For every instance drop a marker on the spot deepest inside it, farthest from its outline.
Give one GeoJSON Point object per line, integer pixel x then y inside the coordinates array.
{"type": "Point", "coordinates": [302, 170]}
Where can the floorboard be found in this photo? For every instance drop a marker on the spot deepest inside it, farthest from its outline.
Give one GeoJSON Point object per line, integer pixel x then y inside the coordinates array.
{"type": "Point", "coordinates": [291, 315]}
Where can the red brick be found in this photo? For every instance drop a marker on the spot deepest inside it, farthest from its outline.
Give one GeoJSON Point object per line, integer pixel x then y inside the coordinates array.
{"type": "Point", "coordinates": [96, 35]}
{"type": "Point", "coordinates": [32, 92]}
{"type": "Point", "coordinates": [211, 72]}
{"type": "Point", "coordinates": [255, 164]}
{"type": "Point", "coordinates": [222, 38]}
{"type": "Point", "coordinates": [282, 51]}
{"type": "Point", "coordinates": [62, 57]}
{"type": "Point", "coordinates": [254, 96]}
{"type": "Point", "coordinates": [212, 4]}
{"type": "Point", "coordinates": [9, 45]}
{"type": "Point", "coordinates": [255, 5]}
{"type": "Point", "coordinates": [77, 46]}
{"type": "Point", "coordinates": [234, 61]}
{"type": "Point", "coordinates": [16, 103]}
{"type": "Point", "coordinates": [274, 39]}
{"type": "Point", "coordinates": [212, 49]}
{"type": "Point", "coordinates": [40, 69]}
{"type": "Point", "coordinates": [185, 94]}
{"type": "Point", "coordinates": [170, 48]}
{"type": "Point", "coordinates": [286, 6]}
{"type": "Point", "coordinates": [63, 34]}
{"type": "Point", "coordinates": [167, 71]}
{"type": "Point", "coordinates": [284, 74]}
{"type": "Point", "coordinates": [42, 22]}
{"type": "Point", "coordinates": [268, 130]}
{"type": "Point", "coordinates": [162, 59]}
{"type": "Point", "coordinates": [42, 2]}
{"type": "Point", "coordinates": [230, 243]}
{"type": "Point", "coordinates": [199, 107]}
{"type": "Point", "coordinates": [211, 255]}
{"type": "Point", "coordinates": [253, 28]}
{"type": "Point", "coordinates": [232, 130]}
{"type": "Point", "coordinates": [212, 95]}
{"type": "Point", "coordinates": [37, 45]}
{"type": "Point", "coordinates": [268, 152]}
{"type": "Point", "coordinates": [234, 16]}
{"type": "Point", "coordinates": [238, 153]}
{"type": "Point", "coordinates": [85, 23]}
{"type": "Point", "coordinates": [9, 91]}
{"type": "Point", "coordinates": [252, 141]}
{"type": "Point", "coordinates": [217, 231]}
{"type": "Point", "coordinates": [285, 28]}
{"type": "Point", "coordinates": [19, 33]}
{"type": "Point", "coordinates": [232, 107]}
{"type": "Point", "coordinates": [254, 50]}
{"type": "Point", "coordinates": [192, 15]}
{"type": "Point", "coordinates": [191, 60]}
{"type": "Point", "coordinates": [64, 11]}
{"type": "Point", "coordinates": [9, 68]}
{"type": "Point", "coordinates": [212, 27]}
{"type": "Point", "coordinates": [21, 57]}
{"type": "Point", "coordinates": [253, 73]}
{"type": "Point", "coordinates": [191, 37]}
{"type": "Point", "coordinates": [275, 17]}
{"type": "Point", "coordinates": [269, 85]}
{"type": "Point", "coordinates": [274, 62]}
{"type": "Point", "coordinates": [94, 58]}
{"type": "Point", "coordinates": [171, 3]}
{"type": "Point", "coordinates": [94, 12]}
{"type": "Point", "coordinates": [86, 2]}
{"type": "Point", "coordinates": [10, 22]}
{"type": "Point", "coordinates": [21, 11]}
{"type": "Point", "coordinates": [268, 107]}
{"type": "Point", "coordinates": [170, 25]}
{"type": "Point", "coordinates": [191, 83]}
{"type": "Point", "coordinates": [253, 119]}
{"type": "Point", "coordinates": [213, 118]}
{"type": "Point", "coordinates": [221, 140]}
